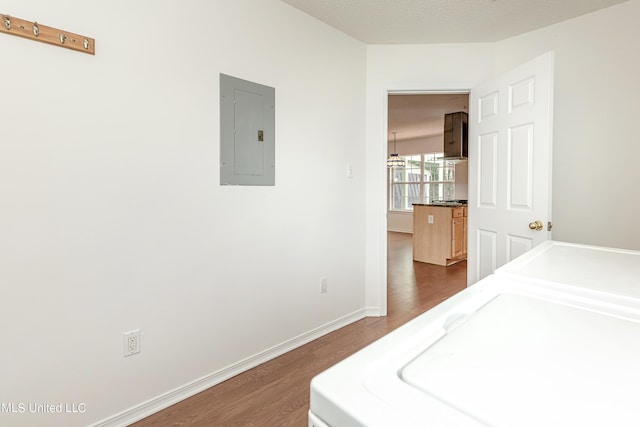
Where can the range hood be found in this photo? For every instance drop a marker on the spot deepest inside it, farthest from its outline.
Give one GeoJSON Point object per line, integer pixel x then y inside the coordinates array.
{"type": "Point", "coordinates": [456, 135]}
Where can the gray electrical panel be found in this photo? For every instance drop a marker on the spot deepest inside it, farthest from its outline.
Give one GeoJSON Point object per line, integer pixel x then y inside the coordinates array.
{"type": "Point", "coordinates": [247, 132]}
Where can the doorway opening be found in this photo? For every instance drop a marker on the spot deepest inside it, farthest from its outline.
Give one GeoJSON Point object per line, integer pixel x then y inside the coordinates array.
{"type": "Point", "coordinates": [415, 131]}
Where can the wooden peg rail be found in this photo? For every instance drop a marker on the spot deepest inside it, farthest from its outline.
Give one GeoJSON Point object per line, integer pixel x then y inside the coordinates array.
{"type": "Point", "coordinates": [42, 33]}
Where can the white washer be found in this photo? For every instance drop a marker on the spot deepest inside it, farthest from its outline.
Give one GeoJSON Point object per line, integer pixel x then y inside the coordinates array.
{"type": "Point", "coordinates": [593, 268]}
{"type": "Point", "coordinates": [550, 339]}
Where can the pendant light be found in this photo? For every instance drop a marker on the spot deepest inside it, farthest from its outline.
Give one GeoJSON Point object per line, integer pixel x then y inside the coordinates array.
{"type": "Point", "coordinates": [394, 160]}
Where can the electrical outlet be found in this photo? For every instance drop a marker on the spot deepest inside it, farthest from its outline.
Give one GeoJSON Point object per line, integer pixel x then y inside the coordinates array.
{"type": "Point", "coordinates": [323, 284]}
{"type": "Point", "coordinates": [430, 219]}
{"type": "Point", "coordinates": [131, 343]}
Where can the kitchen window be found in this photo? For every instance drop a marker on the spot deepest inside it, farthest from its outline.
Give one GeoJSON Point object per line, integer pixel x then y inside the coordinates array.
{"type": "Point", "coordinates": [425, 178]}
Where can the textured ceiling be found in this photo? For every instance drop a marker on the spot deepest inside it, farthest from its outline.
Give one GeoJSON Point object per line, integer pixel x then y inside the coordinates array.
{"type": "Point", "coordinates": [443, 21]}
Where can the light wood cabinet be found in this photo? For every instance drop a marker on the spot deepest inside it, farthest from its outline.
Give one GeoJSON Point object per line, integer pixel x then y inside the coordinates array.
{"type": "Point", "coordinates": [457, 237]}
{"type": "Point", "coordinates": [439, 234]}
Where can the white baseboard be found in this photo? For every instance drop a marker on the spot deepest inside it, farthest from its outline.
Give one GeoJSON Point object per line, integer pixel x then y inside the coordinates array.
{"type": "Point", "coordinates": [400, 230]}
{"type": "Point", "coordinates": [373, 312]}
{"type": "Point", "coordinates": [172, 397]}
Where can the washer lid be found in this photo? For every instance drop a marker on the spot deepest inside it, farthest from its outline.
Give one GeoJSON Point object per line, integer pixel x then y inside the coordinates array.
{"type": "Point", "coordinates": [608, 270]}
{"type": "Point", "coordinates": [523, 361]}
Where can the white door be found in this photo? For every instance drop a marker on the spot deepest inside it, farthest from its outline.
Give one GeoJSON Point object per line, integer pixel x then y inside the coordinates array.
{"type": "Point", "coordinates": [510, 135]}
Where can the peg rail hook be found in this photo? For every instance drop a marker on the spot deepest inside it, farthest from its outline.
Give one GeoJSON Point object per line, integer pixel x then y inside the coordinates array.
{"type": "Point", "coordinates": [42, 33]}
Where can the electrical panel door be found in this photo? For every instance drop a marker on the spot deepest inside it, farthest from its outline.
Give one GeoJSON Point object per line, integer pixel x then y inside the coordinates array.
{"type": "Point", "coordinates": [247, 132]}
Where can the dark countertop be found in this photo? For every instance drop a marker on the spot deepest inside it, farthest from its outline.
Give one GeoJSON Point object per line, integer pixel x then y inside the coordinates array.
{"type": "Point", "coordinates": [441, 204]}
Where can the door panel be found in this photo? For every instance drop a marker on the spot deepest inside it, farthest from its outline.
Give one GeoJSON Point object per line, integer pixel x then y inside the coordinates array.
{"type": "Point", "coordinates": [488, 252]}
{"type": "Point", "coordinates": [521, 94]}
{"type": "Point", "coordinates": [520, 146]}
{"type": "Point", "coordinates": [510, 127]}
{"type": "Point", "coordinates": [488, 171]}
{"type": "Point", "coordinates": [488, 105]}
{"type": "Point", "coordinates": [517, 245]}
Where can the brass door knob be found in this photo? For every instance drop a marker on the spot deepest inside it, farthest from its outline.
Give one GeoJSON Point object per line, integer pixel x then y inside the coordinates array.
{"type": "Point", "coordinates": [536, 225]}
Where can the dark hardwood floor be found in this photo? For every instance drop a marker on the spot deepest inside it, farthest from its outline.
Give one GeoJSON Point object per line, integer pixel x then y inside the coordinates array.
{"type": "Point", "coordinates": [276, 393]}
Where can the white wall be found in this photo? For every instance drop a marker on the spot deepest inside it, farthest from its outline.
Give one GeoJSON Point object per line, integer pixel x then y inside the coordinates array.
{"type": "Point", "coordinates": [596, 145]}
{"type": "Point", "coordinates": [400, 222]}
{"type": "Point", "coordinates": [112, 217]}
{"type": "Point", "coordinates": [452, 67]}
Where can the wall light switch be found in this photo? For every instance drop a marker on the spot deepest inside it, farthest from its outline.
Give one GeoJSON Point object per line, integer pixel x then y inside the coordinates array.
{"type": "Point", "coordinates": [349, 170]}
{"type": "Point", "coordinates": [430, 219]}
{"type": "Point", "coordinates": [324, 281]}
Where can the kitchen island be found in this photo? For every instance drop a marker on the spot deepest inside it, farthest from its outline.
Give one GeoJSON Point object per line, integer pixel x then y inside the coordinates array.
{"type": "Point", "coordinates": [440, 233]}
